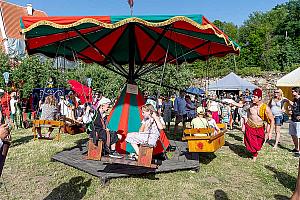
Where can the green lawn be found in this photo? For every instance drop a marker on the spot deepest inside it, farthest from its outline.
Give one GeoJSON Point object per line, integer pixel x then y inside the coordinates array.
{"type": "Point", "coordinates": [29, 173]}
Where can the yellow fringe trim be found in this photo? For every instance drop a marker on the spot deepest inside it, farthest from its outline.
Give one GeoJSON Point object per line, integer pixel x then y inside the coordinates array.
{"type": "Point", "coordinates": [253, 124]}
{"type": "Point", "coordinates": [132, 19]}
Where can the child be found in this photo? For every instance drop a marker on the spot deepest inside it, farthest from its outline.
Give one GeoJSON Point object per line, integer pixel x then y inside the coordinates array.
{"type": "Point", "coordinates": [200, 121]}
{"type": "Point", "coordinates": [149, 131]}
{"type": "Point", "coordinates": [212, 123]}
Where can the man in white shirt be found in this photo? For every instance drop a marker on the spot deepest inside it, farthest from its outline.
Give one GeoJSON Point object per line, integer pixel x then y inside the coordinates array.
{"type": "Point", "coordinates": [12, 104]}
{"type": "Point", "coordinates": [63, 104]}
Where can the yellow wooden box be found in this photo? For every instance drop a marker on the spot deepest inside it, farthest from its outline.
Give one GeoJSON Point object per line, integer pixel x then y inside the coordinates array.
{"type": "Point", "coordinates": [202, 140]}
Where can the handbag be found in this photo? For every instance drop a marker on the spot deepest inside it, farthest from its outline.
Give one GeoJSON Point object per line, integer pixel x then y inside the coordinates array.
{"type": "Point", "coordinates": [285, 117]}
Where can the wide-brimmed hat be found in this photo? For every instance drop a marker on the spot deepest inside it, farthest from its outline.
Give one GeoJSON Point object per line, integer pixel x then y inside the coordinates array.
{"type": "Point", "coordinates": [200, 110]}
{"type": "Point", "coordinates": [104, 100]}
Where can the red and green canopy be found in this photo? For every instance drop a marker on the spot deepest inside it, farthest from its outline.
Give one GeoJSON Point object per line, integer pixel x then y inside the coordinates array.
{"type": "Point", "coordinates": [144, 43]}
{"type": "Point", "coordinates": [129, 46]}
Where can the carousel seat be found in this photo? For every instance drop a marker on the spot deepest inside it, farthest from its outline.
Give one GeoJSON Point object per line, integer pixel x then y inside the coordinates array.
{"type": "Point", "coordinates": [204, 139]}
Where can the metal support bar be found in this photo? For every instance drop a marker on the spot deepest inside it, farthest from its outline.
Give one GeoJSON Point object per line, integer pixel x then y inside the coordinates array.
{"type": "Point", "coordinates": [85, 39]}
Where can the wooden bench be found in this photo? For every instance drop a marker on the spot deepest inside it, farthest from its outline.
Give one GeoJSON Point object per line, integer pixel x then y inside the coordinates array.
{"type": "Point", "coordinates": [47, 124]}
{"type": "Point", "coordinates": [204, 140]}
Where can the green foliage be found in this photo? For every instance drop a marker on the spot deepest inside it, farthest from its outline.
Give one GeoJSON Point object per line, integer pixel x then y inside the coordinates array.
{"type": "Point", "coordinates": [180, 77]}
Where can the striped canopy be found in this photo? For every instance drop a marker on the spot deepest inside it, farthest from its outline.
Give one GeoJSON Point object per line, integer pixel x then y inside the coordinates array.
{"type": "Point", "coordinates": [143, 43]}
{"type": "Point", "coordinates": [126, 117]}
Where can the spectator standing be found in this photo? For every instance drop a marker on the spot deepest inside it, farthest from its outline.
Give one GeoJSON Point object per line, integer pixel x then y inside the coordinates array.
{"type": "Point", "coordinates": [294, 127]}
{"type": "Point", "coordinates": [276, 105]}
{"type": "Point", "coordinates": [180, 111]}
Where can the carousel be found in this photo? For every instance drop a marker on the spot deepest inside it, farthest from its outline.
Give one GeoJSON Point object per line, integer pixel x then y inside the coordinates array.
{"type": "Point", "coordinates": [131, 47]}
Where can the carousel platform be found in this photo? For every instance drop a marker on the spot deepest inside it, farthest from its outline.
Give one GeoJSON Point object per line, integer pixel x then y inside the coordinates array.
{"type": "Point", "coordinates": [107, 169]}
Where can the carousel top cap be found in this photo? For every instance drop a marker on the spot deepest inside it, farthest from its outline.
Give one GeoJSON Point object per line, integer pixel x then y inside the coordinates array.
{"type": "Point", "coordinates": [104, 100]}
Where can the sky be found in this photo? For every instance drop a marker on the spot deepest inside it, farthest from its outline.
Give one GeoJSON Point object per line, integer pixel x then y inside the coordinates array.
{"type": "Point", "coordinates": [236, 11]}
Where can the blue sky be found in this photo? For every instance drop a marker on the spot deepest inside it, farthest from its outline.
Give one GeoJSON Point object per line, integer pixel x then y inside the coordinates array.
{"type": "Point", "coordinates": [236, 11]}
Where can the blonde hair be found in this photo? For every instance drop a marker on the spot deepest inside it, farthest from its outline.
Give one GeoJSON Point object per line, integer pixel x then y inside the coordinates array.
{"type": "Point", "coordinates": [50, 100]}
{"type": "Point", "coordinates": [149, 107]}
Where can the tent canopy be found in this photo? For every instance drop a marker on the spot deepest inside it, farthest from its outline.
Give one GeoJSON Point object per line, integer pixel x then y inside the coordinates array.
{"type": "Point", "coordinates": [292, 79]}
{"type": "Point", "coordinates": [288, 81]}
{"type": "Point", "coordinates": [195, 90]}
{"type": "Point", "coordinates": [231, 82]}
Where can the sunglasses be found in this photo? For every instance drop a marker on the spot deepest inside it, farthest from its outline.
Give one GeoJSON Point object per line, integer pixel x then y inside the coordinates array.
{"type": "Point", "coordinates": [276, 92]}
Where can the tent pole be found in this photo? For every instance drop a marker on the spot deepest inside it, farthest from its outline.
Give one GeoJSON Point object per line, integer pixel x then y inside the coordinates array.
{"type": "Point", "coordinates": [131, 53]}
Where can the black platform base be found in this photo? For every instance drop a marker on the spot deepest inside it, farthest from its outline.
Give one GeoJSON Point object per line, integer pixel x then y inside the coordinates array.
{"type": "Point", "coordinates": [114, 168]}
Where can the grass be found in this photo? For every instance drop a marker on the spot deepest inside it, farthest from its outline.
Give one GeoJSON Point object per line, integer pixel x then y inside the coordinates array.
{"type": "Point", "coordinates": [29, 173]}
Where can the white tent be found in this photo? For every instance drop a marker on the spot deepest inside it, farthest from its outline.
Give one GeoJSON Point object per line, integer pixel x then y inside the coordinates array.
{"type": "Point", "coordinates": [231, 82]}
{"type": "Point", "coordinates": [292, 79]}
{"type": "Point", "coordinates": [288, 81]}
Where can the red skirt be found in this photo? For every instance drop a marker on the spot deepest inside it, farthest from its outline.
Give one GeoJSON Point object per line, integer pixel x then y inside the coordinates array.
{"type": "Point", "coordinates": [215, 116]}
{"type": "Point", "coordinates": [254, 139]}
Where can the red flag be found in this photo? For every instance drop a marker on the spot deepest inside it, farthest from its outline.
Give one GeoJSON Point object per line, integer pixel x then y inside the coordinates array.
{"type": "Point", "coordinates": [130, 2]}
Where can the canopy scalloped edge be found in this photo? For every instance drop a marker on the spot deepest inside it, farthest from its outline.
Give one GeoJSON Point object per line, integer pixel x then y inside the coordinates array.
{"type": "Point", "coordinates": [129, 20]}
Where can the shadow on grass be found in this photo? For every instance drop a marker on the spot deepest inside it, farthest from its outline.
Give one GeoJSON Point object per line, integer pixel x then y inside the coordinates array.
{"type": "Point", "coordinates": [220, 195]}
{"type": "Point", "coordinates": [22, 140]}
{"type": "Point", "coordinates": [285, 179]}
{"type": "Point", "coordinates": [281, 197]}
{"type": "Point", "coordinates": [236, 137]}
{"type": "Point", "coordinates": [240, 150]}
{"type": "Point", "coordinates": [79, 144]}
{"type": "Point", "coordinates": [283, 147]}
{"type": "Point", "coordinates": [75, 189]}
{"type": "Point", "coordinates": [206, 158]}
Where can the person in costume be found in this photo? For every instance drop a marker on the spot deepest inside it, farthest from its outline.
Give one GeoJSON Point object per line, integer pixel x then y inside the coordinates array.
{"type": "Point", "coordinates": [257, 114]}
{"type": "Point", "coordinates": [96, 126]}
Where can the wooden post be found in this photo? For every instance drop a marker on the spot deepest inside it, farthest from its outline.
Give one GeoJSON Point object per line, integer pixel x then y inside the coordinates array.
{"type": "Point", "coordinates": [94, 151]}
{"type": "Point", "coordinates": [145, 156]}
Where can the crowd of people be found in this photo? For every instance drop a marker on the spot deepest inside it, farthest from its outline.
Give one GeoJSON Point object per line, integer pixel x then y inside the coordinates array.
{"type": "Point", "coordinates": [245, 111]}
{"type": "Point", "coordinates": [249, 112]}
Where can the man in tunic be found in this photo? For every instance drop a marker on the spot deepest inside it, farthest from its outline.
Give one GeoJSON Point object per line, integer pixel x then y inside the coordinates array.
{"type": "Point", "coordinates": [257, 113]}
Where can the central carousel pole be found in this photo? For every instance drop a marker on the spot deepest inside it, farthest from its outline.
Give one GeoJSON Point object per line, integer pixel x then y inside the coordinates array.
{"type": "Point", "coordinates": [132, 47]}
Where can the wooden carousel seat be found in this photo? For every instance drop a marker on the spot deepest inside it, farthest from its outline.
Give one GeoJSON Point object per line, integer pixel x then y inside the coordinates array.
{"type": "Point", "coordinates": [204, 140]}
{"type": "Point", "coordinates": [47, 124]}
